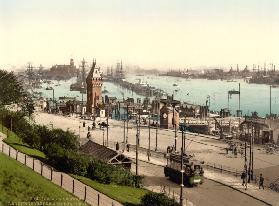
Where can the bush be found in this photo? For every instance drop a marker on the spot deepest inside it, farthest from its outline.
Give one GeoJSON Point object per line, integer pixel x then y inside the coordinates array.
{"type": "Point", "coordinates": [105, 173]}
{"type": "Point", "coordinates": [64, 139]}
{"type": "Point", "coordinates": [157, 199]}
{"type": "Point", "coordinates": [67, 161]}
{"type": "Point", "coordinates": [61, 148]}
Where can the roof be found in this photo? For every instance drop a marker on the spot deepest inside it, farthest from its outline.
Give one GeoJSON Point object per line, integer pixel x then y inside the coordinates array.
{"type": "Point", "coordinates": [98, 151]}
{"type": "Point", "coordinates": [105, 154]}
{"type": "Point", "coordinates": [94, 72]}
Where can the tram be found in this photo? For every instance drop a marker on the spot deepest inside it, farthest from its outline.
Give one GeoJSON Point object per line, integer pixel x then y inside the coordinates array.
{"type": "Point", "coordinates": [193, 171]}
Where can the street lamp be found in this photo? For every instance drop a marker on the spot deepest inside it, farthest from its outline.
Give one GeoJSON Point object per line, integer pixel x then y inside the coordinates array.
{"type": "Point", "coordinates": [124, 135]}
{"type": "Point", "coordinates": [128, 104]}
{"type": "Point", "coordinates": [137, 144]}
{"type": "Point", "coordinates": [174, 124]}
{"type": "Point", "coordinates": [182, 129]}
{"type": "Point", "coordinates": [148, 153]}
{"type": "Point", "coordinates": [108, 112]}
{"type": "Point", "coordinates": [82, 90]}
{"type": "Point", "coordinates": [138, 138]}
{"type": "Point", "coordinates": [157, 124]}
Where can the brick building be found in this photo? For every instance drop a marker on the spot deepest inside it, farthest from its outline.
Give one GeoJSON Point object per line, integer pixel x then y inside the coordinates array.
{"type": "Point", "coordinates": [94, 83]}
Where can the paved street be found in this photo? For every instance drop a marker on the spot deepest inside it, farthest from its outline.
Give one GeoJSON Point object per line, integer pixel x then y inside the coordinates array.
{"type": "Point", "coordinates": [209, 193]}
{"type": "Point", "coordinates": [204, 148]}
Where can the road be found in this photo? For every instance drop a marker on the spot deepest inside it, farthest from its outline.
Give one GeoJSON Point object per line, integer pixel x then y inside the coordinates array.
{"type": "Point", "coordinates": [207, 149]}
{"type": "Point", "coordinates": [207, 194]}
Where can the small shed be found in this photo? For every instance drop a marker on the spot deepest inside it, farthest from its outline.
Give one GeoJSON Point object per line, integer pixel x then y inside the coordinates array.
{"type": "Point", "coordinates": [106, 154]}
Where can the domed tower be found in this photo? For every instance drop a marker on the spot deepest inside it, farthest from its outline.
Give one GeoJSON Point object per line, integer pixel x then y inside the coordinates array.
{"type": "Point", "coordinates": [94, 83]}
{"type": "Point", "coordinates": [72, 64]}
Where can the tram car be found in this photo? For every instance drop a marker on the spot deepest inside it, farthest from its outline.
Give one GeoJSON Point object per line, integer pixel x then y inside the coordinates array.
{"type": "Point", "coordinates": [193, 171]}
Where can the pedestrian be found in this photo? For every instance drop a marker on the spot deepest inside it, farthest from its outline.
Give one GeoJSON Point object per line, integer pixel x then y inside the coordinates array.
{"type": "Point", "coordinates": [168, 149]}
{"type": "Point", "coordinates": [243, 176]}
{"type": "Point", "coordinates": [83, 124]}
{"type": "Point", "coordinates": [88, 135]}
{"type": "Point", "coordinates": [88, 128]}
{"type": "Point", "coordinates": [117, 146]}
{"type": "Point", "coordinates": [128, 147]}
{"type": "Point", "coordinates": [261, 182]}
{"type": "Point", "coordinates": [235, 151]}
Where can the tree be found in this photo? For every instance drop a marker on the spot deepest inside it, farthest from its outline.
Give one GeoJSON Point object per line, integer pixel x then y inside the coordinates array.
{"type": "Point", "coordinates": [27, 105]}
{"type": "Point", "coordinates": [11, 89]}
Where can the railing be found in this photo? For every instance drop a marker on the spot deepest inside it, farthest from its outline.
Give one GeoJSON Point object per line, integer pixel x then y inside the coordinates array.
{"type": "Point", "coordinates": [268, 183]}
{"type": "Point", "coordinates": [172, 193]}
{"type": "Point", "coordinates": [77, 188]}
{"type": "Point", "coordinates": [222, 169]}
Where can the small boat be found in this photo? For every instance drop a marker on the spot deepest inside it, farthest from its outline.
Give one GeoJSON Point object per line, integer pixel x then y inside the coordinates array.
{"type": "Point", "coordinates": [49, 88]}
{"type": "Point", "coordinates": [105, 91]}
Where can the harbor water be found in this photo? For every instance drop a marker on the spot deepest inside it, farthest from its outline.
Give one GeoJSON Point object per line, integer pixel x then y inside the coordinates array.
{"type": "Point", "coordinates": [253, 97]}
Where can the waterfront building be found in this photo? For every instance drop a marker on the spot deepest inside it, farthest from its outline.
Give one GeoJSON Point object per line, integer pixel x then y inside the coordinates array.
{"type": "Point", "coordinates": [94, 82]}
{"type": "Point", "coordinates": [166, 117]}
{"type": "Point", "coordinates": [62, 71]}
{"type": "Point", "coordinates": [192, 110]}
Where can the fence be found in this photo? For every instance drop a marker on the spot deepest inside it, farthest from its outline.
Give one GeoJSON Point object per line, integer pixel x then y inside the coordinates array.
{"type": "Point", "coordinates": [268, 183]}
{"type": "Point", "coordinates": [65, 181]}
{"type": "Point", "coordinates": [174, 194]}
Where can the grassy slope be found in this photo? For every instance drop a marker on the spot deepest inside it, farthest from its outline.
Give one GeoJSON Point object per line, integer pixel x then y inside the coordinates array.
{"type": "Point", "coordinates": [14, 141]}
{"type": "Point", "coordinates": [123, 194]}
{"type": "Point", "coordinates": [20, 183]}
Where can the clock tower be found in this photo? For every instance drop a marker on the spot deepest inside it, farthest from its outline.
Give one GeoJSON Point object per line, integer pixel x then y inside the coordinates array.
{"type": "Point", "coordinates": [94, 83]}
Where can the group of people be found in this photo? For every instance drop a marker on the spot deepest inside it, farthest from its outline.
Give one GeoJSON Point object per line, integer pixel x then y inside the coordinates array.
{"type": "Point", "coordinates": [89, 128]}
{"type": "Point", "coordinates": [261, 179]}
{"type": "Point", "coordinates": [170, 149]}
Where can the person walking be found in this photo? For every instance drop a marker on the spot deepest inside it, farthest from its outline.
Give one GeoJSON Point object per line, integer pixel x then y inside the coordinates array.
{"type": "Point", "coordinates": [243, 177]}
{"type": "Point", "coordinates": [261, 181]}
{"type": "Point", "coordinates": [88, 135]}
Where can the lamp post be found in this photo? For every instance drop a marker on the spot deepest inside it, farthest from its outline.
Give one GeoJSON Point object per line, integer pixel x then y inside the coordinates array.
{"type": "Point", "coordinates": [157, 124]}
{"type": "Point", "coordinates": [139, 126]}
{"type": "Point", "coordinates": [137, 145]}
{"type": "Point", "coordinates": [127, 122]}
{"type": "Point", "coordinates": [108, 112]}
{"type": "Point", "coordinates": [182, 129]}
{"type": "Point", "coordinates": [174, 125]}
{"type": "Point", "coordinates": [245, 165]}
{"type": "Point", "coordinates": [82, 90]}
{"type": "Point", "coordinates": [148, 153]}
{"type": "Point", "coordinates": [124, 135]}
{"type": "Point", "coordinates": [270, 101]}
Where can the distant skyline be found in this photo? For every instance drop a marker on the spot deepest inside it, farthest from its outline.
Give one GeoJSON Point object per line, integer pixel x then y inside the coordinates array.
{"type": "Point", "coordinates": [148, 33]}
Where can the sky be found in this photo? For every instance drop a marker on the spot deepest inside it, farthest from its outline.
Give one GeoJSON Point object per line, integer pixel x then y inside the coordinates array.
{"type": "Point", "coordinates": [160, 34]}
